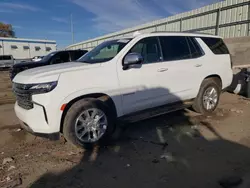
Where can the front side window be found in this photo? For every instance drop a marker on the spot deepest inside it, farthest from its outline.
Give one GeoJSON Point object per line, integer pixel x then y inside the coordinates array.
{"type": "Point", "coordinates": [149, 49]}
{"type": "Point", "coordinates": [216, 45]}
{"type": "Point", "coordinates": [105, 51]}
{"type": "Point", "coordinates": [175, 48]}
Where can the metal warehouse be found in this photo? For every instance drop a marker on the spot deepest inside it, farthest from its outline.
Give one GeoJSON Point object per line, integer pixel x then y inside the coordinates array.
{"type": "Point", "coordinates": [229, 19]}
{"type": "Point", "coordinates": [26, 48]}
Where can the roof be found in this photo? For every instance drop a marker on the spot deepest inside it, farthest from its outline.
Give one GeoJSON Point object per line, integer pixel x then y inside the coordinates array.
{"type": "Point", "coordinates": [27, 40]}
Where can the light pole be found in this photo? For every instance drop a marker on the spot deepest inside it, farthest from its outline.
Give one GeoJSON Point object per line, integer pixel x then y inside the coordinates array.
{"type": "Point", "coordinates": [72, 28]}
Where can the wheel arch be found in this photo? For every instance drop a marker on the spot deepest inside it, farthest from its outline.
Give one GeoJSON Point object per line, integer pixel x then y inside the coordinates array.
{"type": "Point", "coordinates": [100, 96]}
{"type": "Point", "coordinates": [215, 76]}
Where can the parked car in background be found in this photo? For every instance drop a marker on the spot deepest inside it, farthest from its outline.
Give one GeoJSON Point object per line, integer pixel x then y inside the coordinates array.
{"type": "Point", "coordinates": [50, 59]}
{"type": "Point", "coordinates": [37, 58]}
{"type": "Point", "coordinates": [127, 80]}
{"type": "Point", "coordinates": [6, 61]}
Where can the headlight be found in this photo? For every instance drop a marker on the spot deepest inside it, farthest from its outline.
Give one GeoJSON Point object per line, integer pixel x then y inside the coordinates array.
{"type": "Point", "coordinates": [42, 87]}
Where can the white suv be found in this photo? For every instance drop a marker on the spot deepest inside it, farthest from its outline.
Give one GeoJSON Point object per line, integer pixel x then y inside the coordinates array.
{"type": "Point", "coordinates": [123, 79]}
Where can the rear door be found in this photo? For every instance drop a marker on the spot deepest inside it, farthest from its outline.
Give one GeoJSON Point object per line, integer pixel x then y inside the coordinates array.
{"type": "Point", "coordinates": [182, 57]}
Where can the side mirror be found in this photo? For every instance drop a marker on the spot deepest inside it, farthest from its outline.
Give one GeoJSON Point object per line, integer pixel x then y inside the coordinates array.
{"type": "Point", "coordinates": [132, 59]}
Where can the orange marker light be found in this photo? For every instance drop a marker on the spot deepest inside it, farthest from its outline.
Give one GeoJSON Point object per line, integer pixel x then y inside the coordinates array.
{"type": "Point", "coordinates": [63, 107]}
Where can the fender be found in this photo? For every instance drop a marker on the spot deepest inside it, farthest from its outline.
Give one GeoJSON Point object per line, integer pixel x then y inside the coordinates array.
{"type": "Point", "coordinates": [114, 95]}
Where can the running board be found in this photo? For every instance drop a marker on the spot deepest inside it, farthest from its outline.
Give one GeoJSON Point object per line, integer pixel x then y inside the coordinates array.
{"type": "Point", "coordinates": [154, 112]}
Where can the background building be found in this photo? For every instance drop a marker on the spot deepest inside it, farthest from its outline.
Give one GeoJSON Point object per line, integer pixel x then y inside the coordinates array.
{"type": "Point", "coordinates": [229, 19]}
{"type": "Point", "coordinates": [25, 48]}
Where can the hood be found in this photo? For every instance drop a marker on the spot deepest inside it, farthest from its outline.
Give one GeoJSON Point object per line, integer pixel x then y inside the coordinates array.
{"type": "Point", "coordinates": [50, 73]}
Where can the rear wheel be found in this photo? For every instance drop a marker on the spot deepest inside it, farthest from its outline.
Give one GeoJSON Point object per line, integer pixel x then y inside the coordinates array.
{"type": "Point", "coordinates": [88, 123]}
{"type": "Point", "coordinates": [208, 97]}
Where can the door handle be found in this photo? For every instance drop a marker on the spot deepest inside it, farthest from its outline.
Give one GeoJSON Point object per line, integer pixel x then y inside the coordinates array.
{"type": "Point", "coordinates": [198, 65]}
{"type": "Point", "coordinates": [162, 69]}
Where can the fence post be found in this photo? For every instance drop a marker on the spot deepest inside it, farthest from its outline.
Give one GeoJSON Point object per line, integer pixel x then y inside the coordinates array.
{"type": "Point", "coordinates": [217, 28]}
{"type": "Point", "coordinates": [166, 25]}
{"type": "Point", "coordinates": [248, 25]}
{"type": "Point", "coordinates": [181, 25]}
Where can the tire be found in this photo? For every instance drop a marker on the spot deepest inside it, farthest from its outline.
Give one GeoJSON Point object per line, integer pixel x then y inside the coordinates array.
{"type": "Point", "coordinates": [69, 125]}
{"type": "Point", "coordinates": [206, 85]}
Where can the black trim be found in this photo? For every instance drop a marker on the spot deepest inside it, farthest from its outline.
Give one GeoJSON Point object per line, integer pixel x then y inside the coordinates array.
{"type": "Point", "coordinates": [159, 43]}
{"type": "Point", "coordinates": [44, 111]}
{"type": "Point", "coordinates": [50, 136]}
{"type": "Point", "coordinates": [155, 111]}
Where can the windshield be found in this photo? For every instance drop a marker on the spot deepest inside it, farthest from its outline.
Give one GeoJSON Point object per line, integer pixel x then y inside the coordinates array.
{"type": "Point", "coordinates": [105, 51]}
{"type": "Point", "coordinates": [47, 57]}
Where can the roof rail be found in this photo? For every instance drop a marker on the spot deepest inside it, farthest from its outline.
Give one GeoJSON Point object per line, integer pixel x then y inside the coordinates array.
{"type": "Point", "coordinates": [190, 32]}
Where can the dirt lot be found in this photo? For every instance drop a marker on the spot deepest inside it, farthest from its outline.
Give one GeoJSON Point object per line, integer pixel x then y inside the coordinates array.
{"type": "Point", "coordinates": [181, 149]}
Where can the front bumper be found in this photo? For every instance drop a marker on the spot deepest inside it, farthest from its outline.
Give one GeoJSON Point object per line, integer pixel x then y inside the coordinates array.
{"type": "Point", "coordinates": [6, 65]}
{"type": "Point", "coordinates": [51, 136]}
{"type": "Point", "coordinates": [35, 121]}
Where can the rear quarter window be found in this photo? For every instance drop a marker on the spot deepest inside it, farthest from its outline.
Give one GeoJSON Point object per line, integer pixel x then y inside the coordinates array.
{"type": "Point", "coordinates": [217, 45]}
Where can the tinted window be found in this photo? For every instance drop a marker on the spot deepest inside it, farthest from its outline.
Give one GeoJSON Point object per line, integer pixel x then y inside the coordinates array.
{"type": "Point", "coordinates": [175, 48]}
{"type": "Point", "coordinates": [216, 45]}
{"type": "Point", "coordinates": [60, 57]}
{"type": "Point", "coordinates": [149, 49]}
{"type": "Point", "coordinates": [49, 56]}
{"type": "Point", "coordinates": [195, 49]}
{"type": "Point", "coordinates": [77, 54]}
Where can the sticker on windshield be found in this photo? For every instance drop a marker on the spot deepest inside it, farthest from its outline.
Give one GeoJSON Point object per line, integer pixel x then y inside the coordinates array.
{"type": "Point", "coordinates": [123, 41]}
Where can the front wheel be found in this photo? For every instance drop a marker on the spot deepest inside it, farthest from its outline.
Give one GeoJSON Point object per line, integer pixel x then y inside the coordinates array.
{"type": "Point", "coordinates": [208, 97]}
{"type": "Point", "coordinates": [88, 123]}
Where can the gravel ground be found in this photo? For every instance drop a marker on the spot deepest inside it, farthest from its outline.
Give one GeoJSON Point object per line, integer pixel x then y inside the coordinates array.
{"type": "Point", "coordinates": [180, 149]}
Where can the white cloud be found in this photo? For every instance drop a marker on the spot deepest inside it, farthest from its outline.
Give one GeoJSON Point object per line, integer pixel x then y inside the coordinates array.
{"type": "Point", "coordinates": [6, 11]}
{"type": "Point", "coordinates": [60, 20]}
{"type": "Point", "coordinates": [16, 6]}
{"type": "Point", "coordinates": [113, 15]}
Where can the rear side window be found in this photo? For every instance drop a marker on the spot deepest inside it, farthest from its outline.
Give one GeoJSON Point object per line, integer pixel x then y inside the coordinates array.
{"type": "Point", "coordinates": [75, 55]}
{"type": "Point", "coordinates": [175, 48]}
{"type": "Point", "coordinates": [79, 54]}
{"type": "Point", "coordinates": [195, 49]}
{"type": "Point", "coordinates": [216, 45]}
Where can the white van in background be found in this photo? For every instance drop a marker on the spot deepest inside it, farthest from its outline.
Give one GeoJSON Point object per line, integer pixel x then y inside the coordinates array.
{"type": "Point", "coordinates": [6, 61]}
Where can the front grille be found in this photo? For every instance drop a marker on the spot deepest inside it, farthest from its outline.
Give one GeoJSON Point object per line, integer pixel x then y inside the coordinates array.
{"type": "Point", "coordinates": [23, 96]}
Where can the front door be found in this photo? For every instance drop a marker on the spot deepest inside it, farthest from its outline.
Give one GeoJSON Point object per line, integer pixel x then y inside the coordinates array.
{"type": "Point", "coordinates": [142, 86]}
